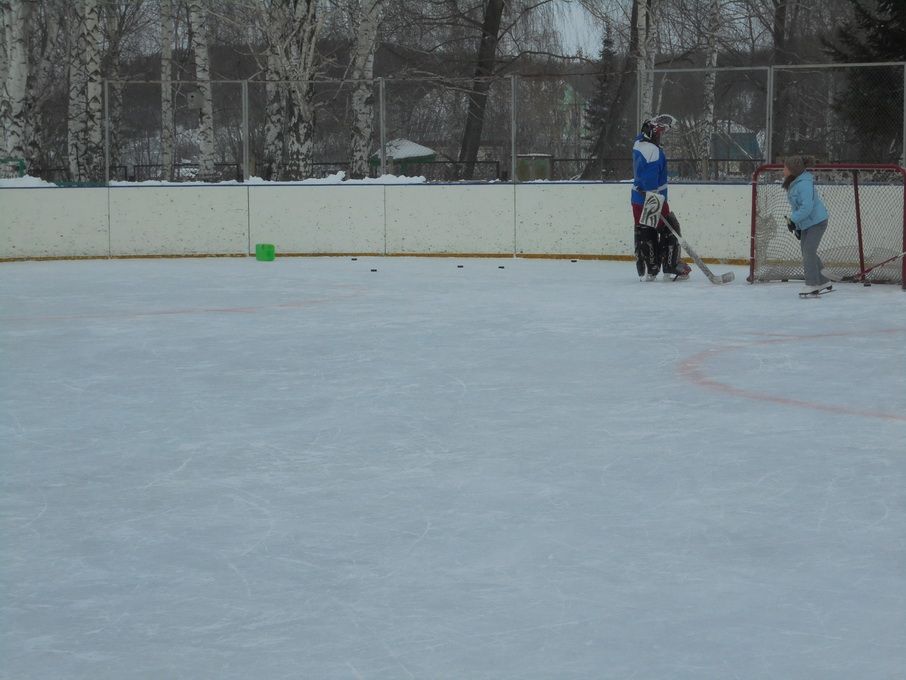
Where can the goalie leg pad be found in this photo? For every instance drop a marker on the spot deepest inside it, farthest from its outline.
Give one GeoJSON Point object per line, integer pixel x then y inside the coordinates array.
{"type": "Point", "coordinates": [669, 250]}
{"type": "Point", "coordinates": [671, 218]}
{"type": "Point", "coordinates": [646, 250]}
{"type": "Point", "coordinates": [669, 246]}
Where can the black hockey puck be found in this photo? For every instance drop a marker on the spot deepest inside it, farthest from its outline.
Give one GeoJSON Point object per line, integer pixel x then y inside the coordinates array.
{"type": "Point", "coordinates": [500, 267]}
{"type": "Point", "coordinates": [354, 259]}
{"type": "Point", "coordinates": [459, 266]}
{"type": "Point", "coordinates": [574, 260]}
{"type": "Point", "coordinates": [374, 270]}
{"type": "Point", "coordinates": [867, 283]}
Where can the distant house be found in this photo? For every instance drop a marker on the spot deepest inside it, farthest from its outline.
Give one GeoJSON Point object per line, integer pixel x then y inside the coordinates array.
{"type": "Point", "coordinates": [401, 154]}
{"type": "Point", "coordinates": [736, 145]}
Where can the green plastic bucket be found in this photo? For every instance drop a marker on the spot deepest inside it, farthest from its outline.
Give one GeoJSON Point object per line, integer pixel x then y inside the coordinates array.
{"type": "Point", "coordinates": [264, 252]}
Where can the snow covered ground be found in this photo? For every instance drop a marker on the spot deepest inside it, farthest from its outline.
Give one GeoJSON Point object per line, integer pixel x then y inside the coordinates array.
{"type": "Point", "coordinates": [224, 468]}
{"type": "Point", "coordinates": [29, 182]}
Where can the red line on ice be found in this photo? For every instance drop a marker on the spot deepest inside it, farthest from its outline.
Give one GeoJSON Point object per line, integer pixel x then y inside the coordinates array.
{"type": "Point", "coordinates": [692, 369]}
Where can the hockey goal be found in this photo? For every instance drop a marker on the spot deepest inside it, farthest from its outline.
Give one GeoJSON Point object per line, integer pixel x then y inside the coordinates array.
{"type": "Point", "coordinates": [867, 224]}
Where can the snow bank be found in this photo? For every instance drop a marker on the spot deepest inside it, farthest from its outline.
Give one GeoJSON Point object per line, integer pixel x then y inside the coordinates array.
{"type": "Point", "coordinates": [24, 182]}
{"type": "Point", "coordinates": [337, 178]}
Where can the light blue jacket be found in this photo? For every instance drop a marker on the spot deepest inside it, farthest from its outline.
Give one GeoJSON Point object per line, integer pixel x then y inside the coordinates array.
{"type": "Point", "coordinates": [807, 206]}
{"type": "Point", "coordinates": [649, 165]}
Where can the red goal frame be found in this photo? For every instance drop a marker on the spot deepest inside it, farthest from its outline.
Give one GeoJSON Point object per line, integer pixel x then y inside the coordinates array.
{"type": "Point", "coordinates": [855, 167]}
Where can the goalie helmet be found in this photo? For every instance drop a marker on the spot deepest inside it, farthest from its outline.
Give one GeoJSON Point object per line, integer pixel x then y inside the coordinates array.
{"type": "Point", "coordinates": [654, 127]}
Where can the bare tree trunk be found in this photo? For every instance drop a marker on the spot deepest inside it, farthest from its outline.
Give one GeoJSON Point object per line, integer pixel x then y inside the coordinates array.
{"type": "Point", "coordinates": [361, 72]}
{"type": "Point", "coordinates": [199, 31]}
{"type": "Point", "coordinates": [478, 96]}
{"type": "Point", "coordinates": [42, 74]}
{"type": "Point", "coordinates": [77, 104]}
{"type": "Point", "coordinates": [780, 133]}
{"type": "Point", "coordinates": [647, 51]}
{"type": "Point", "coordinates": [85, 133]}
{"type": "Point", "coordinates": [300, 136]}
{"type": "Point", "coordinates": [166, 88]}
{"type": "Point", "coordinates": [291, 28]}
{"type": "Point", "coordinates": [708, 121]}
{"type": "Point", "coordinates": [6, 33]}
{"type": "Point", "coordinates": [17, 17]}
{"type": "Point", "coordinates": [275, 107]}
{"type": "Point", "coordinates": [94, 94]}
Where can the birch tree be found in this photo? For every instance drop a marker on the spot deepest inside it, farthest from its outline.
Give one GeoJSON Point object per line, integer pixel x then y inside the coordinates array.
{"type": "Point", "coordinates": [85, 132]}
{"type": "Point", "coordinates": [275, 105]}
{"type": "Point", "coordinates": [5, 35]}
{"type": "Point", "coordinates": [291, 29]}
{"type": "Point", "coordinates": [708, 122]}
{"type": "Point", "coordinates": [198, 29]}
{"type": "Point", "coordinates": [76, 104]}
{"type": "Point", "coordinates": [166, 88]}
{"type": "Point", "coordinates": [17, 17]}
{"type": "Point", "coordinates": [361, 72]}
{"type": "Point", "coordinates": [48, 52]}
{"type": "Point", "coordinates": [648, 11]}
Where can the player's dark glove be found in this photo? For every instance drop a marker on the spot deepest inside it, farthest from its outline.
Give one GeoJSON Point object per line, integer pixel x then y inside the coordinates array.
{"type": "Point", "coordinates": [794, 230]}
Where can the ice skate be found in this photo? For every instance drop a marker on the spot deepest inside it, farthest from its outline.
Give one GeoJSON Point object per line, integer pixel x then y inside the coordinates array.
{"type": "Point", "coordinates": [815, 290]}
{"type": "Point", "coordinates": [680, 273]}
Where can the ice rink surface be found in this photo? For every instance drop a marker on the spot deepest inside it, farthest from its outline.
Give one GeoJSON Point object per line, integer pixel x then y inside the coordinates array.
{"type": "Point", "coordinates": [224, 468]}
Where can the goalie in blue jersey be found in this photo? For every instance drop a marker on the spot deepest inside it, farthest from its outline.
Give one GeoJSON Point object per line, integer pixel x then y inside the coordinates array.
{"type": "Point", "coordinates": [656, 247]}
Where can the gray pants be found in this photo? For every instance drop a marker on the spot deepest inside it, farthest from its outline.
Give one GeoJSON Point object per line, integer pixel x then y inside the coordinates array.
{"type": "Point", "coordinates": [811, 239]}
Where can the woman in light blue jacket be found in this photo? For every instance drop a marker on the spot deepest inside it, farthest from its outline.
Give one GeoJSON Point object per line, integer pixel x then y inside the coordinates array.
{"type": "Point", "coordinates": [807, 221]}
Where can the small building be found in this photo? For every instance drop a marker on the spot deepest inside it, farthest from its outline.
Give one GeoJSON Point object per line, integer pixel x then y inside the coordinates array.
{"type": "Point", "coordinates": [401, 155]}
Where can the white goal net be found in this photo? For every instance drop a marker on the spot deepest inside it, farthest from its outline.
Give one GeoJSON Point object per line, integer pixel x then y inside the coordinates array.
{"type": "Point", "coordinates": [866, 225]}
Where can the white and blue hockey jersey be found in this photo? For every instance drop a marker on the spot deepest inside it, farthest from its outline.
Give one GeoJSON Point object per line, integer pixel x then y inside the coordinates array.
{"type": "Point", "coordinates": [649, 166]}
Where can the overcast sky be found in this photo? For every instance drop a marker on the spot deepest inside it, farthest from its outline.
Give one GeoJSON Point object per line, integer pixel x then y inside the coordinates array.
{"type": "Point", "coordinates": [578, 28]}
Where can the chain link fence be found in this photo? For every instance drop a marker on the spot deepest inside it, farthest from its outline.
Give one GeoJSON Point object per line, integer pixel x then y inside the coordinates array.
{"type": "Point", "coordinates": [565, 127]}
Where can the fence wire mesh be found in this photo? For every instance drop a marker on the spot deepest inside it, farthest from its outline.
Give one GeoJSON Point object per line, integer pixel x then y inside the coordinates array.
{"type": "Point", "coordinates": [564, 127]}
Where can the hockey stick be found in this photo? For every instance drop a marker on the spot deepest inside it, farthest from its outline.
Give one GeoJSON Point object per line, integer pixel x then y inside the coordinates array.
{"type": "Point", "coordinates": [855, 278]}
{"type": "Point", "coordinates": [652, 214]}
{"type": "Point", "coordinates": [699, 262]}
{"type": "Point", "coordinates": [712, 277]}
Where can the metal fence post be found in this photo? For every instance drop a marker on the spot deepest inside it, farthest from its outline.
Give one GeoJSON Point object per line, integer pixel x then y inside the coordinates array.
{"type": "Point", "coordinates": [244, 87]}
{"type": "Point", "coordinates": [638, 95]}
{"type": "Point", "coordinates": [106, 133]}
{"type": "Point", "coordinates": [903, 144]}
{"type": "Point", "coordinates": [383, 106]}
{"type": "Point", "coordinates": [513, 128]}
{"type": "Point", "coordinates": [769, 122]}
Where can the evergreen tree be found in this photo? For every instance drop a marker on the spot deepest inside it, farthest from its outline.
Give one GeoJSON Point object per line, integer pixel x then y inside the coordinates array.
{"type": "Point", "coordinates": [598, 108]}
{"type": "Point", "coordinates": [605, 126]}
{"type": "Point", "coordinates": [873, 99]}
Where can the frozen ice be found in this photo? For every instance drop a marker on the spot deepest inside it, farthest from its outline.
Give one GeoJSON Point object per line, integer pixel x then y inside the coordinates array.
{"type": "Point", "coordinates": [224, 468]}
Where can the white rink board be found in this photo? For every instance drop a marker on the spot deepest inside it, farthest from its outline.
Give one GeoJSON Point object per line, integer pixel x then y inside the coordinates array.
{"type": "Point", "coordinates": [570, 219]}
{"type": "Point", "coordinates": [191, 220]}
{"type": "Point", "coordinates": [318, 219]}
{"type": "Point", "coordinates": [589, 219]}
{"type": "Point", "coordinates": [474, 219]}
{"type": "Point", "coordinates": [41, 222]}
{"type": "Point", "coordinates": [715, 218]}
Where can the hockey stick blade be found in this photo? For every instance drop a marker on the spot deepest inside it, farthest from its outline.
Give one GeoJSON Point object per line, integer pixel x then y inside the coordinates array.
{"type": "Point", "coordinates": [712, 277]}
{"type": "Point", "coordinates": [855, 278]}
